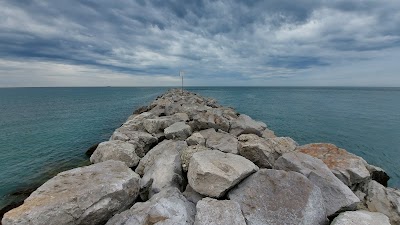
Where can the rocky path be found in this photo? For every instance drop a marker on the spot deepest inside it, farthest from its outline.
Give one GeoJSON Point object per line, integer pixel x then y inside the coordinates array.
{"type": "Point", "coordinates": [185, 159]}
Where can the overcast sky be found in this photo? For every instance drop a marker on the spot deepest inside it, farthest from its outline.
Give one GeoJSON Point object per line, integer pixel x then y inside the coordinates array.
{"type": "Point", "coordinates": [246, 42]}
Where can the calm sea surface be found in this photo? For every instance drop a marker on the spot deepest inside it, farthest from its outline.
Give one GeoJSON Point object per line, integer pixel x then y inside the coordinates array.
{"type": "Point", "coordinates": [47, 130]}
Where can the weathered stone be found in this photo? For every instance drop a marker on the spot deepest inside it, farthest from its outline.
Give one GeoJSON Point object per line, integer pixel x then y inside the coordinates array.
{"type": "Point", "coordinates": [85, 195]}
{"type": "Point", "coordinates": [279, 197]}
{"type": "Point", "coordinates": [218, 212]}
{"type": "Point", "coordinates": [349, 168]}
{"type": "Point", "coordinates": [337, 196]}
{"type": "Point", "coordinates": [192, 195]}
{"type": "Point", "coordinates": [196, 139]}
{"type": "Point", "coordinates": [361, 217]}
{"type": "Point", "coordinates": [116, 150]}
{"type": "Point", "coordinates": [135, 122]}
{"type": "Point", "coordinates": [263, 152]}
{"type": "Point", "coordinates": [378, 174]}
{"type": "Point", "coordinates": [212, 118]}
{"type": "Point", "coordinates": [384, 200]}
{"type": "Point", "coordinates": [141, 140]}
{"type": "Point", "coordinates": [246, 125]}
{"type": "Point", "coordinates": [178, 131]}
{"type": "Point", "coordinates": [267, 133]}
{"type": "Point", "coordinates": [161, 168]}
{"type": "Point", "coordinates": [212, 172]}
{"type": "Point", "coordinates": [169, 207]}
{"type": "Point", "coordinates": [158, 125]}
{"type": "Point", "coordinates": [187, 154]}
{"type": "Point", "coordinates": [220, 141]}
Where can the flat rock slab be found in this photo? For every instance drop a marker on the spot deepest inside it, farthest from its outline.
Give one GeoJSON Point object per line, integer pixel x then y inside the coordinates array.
{"type": "Point", "coordinates": [218, 212]}
{"type": "Point", "coordinates": [85, 195]}
{"type": "Point", "coordinates": [142, 141]}
{"type": "Point", "coordinates": [244, 124]}
{"type": "Point", "coordinates": [221, 141]}
{"type": "Point", "coordinates": [212, 173]}
{"type": "Point", "coordinates": [116, 150]}
{"type": "Point", "coordinates": [263, 152]}
{"type": "Point", "coordinates": [161, 168]}
{"type": "Point", "coordinates": [337, 196]}
{"type": "Point", "coordinates": [277, 197]}
{"type": "Point", "coordinates": [361, 218]}
{"type": "Point", "coordinates": [168, 207]}
{"type": "Point", "coordinates": [178, 131]}
{"type": "Point", "coordinates": [349, 168]}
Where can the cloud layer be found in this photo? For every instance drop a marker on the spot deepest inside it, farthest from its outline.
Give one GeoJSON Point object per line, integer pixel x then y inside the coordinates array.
{"type": "Point", "coordinates": [134, 43]}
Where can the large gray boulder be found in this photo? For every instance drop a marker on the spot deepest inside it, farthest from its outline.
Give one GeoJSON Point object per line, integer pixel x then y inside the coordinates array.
{"type": "Point", "coordinates": [178, 131]}
{"type": "Point", "coordinates": [116, 150]}
{"type": "Point", "coordinates": [85, 195]}
{"type": "Point", "coordinates": [244, 124]}
{"type": "Point", "coordinates": [142, 141]}
{"type": "Point", "coordinates": [196, 139]}
{"type": "Point", "coordinates": [192, 195]}
{"type": "Point", "coordinates": [161, 168]}
{"type": "Point", "coordinates": [349, 168]}
{"type": "Point", "coordinates": [337, 196]}
{"type": "Point", "coordinates": [135, 122]}
{"type": "Point", "coordinates": [382, 199]}
{"type": "Point", "coordinates": [212, 172]}
{"type": "Point", "coordinates": [157, 125]}
{"type": "Point", "coordinates": [279, 197]}
{"type": "Point", "coordinates": [218, 212]}
{"type": "Point", "coordinates": [361, 217]}
{"type": "Point", "coordinates": [169, 207]}
{"type": "Point", "coordinates": [263, 152]}
{"type": "Point", "coordinates": [187, 154]}
{"type": "Point", "coordinates": [211, 118]}
{"type": "Point", "coordinates": [220, 141]}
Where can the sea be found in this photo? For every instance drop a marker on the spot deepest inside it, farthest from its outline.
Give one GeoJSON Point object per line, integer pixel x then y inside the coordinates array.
{"type": "Point", "coordinates": [44, 131]}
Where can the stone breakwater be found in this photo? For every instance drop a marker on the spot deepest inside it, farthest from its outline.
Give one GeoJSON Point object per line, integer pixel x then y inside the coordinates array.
{"type": "Point", "coordinates": [185, 159]}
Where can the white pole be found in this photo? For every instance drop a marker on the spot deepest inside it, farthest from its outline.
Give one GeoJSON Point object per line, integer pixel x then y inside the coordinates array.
{"type": "Point", "coordinates": [181, 74]}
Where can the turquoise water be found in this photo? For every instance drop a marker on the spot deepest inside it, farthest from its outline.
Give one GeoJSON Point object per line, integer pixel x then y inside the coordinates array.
{"type": "Point", "coordinates": [46, 130]}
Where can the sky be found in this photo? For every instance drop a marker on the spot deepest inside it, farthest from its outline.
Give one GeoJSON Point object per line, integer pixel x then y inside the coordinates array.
{"type": "Point", "coordinates": [216, 43]}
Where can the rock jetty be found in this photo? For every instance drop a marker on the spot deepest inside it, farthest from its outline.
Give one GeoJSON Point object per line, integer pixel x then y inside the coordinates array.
{"type": "Point", "coordinates": [185, 159]}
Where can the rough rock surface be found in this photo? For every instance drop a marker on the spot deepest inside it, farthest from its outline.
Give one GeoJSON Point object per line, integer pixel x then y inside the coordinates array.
{"type": "Point", "coordinates": [187, 154]}
{"type": "Point", "coordinates": [157, 125]}
{"type": "Point", "coordinates": [267, 133]}
{"type": "Point", "coordinates": [263, 152]}
{"type": "Point", "coordinates": [211, 118]}
{"type": "Point", "coordinates": [116, 150]}
{"type": "Point", "coordinates": [161, 168]}
{"type": "Point", "coordinates": [169, 207]}
{"type": "Point", "coordinates": [218, 212]}
{"type": "Point", "coordinates": [192, 195]}
{"type": "Point", "coordinates": [349, 168]}
{"type": "Point", "coordinates": [279, 197]}
{"type": "Point", "coordinates": [196, 139]}
{"type": "Point", "coordinates": [141, 140]}
{"type": "Point", "coordinates": [337, 196]}
{"type": "Point", "coordinates": [378, 174]}
{"type": "Point", "coordinates": [85, 195]}
{"type": "Point", "coordinates": [212, 173]}
{"type": "Point", "coordinates": [178, 131]}
{"type": "Point", "coordinates": [244, 124]}
{"type": "Point", "coordinates": [361, 217]}
{"type": "Point", "coordinates": [220, 141]}
{"type": "Point", "coordinates": [384, 200]}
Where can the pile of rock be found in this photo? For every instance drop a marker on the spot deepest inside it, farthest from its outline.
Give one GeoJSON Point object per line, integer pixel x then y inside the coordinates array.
{"type": "Point", "coordinates": [185, 159]}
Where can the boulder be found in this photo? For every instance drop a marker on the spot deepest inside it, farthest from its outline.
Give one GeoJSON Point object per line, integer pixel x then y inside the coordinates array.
{"type": "Point", "coordinates": [211, 118]}
{"type": "Point", "coordinates": [85, 195]}
{"type": "Point", "coordinates": [135, 122]}
{"type": "Point", "coordinates": [267, 133]}
{"type": "Point", "coordinates": [263, 152]}
{"type": "Point", "coordinates": [196, 139]}
{"type": "Point", "coordinates": [279, 197]}
{"type": "Point", "coordinates": [337, 196]}
{"type": "Point", "coordinates": [349, 168]}
{"type": "Point", "coordinates": [192, 195]}
{"type": "Point", "coordinates": [169, 207]}
{"type": "Point", "coordinates": [142, 141]}
{"type": "Point", "coordinates": [212, 172]}
{"type": "Point", "coordinates": [378, 174]}
{"type": "Point", "coordinates": [244, 124]}
{"type": "Point", "coordinates": [116, 150]}
{"type": "Point", "coordinates": [158, 124]}
{"type": "Point", "coordinates": [218, 212]}
{"type": "Point", "coordinates": [361, 217]}
{"type": "Point", "coordinates": [220, 141]}
{"type": "Point", "coordinates": [178, 131]}
{"type": "Point", "coordinates": [187, 154]}
{"type": "Point", "coordinates": [384, 200]}
{"type": "Point", "coordinates": [161, 168]}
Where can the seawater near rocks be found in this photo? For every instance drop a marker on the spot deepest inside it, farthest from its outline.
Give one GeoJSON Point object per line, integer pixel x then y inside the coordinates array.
{"type": "Point", "coordinates": [185, 140]}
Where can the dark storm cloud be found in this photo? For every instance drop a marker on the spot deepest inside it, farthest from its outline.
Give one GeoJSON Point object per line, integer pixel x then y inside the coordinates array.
{"type": "Point", "coordinates": [239, 40]}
